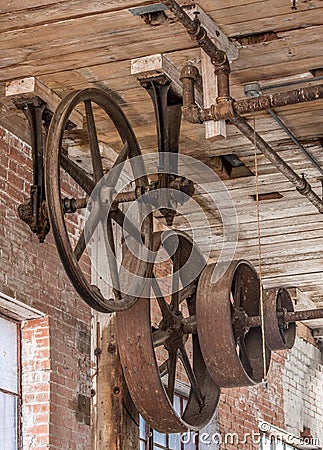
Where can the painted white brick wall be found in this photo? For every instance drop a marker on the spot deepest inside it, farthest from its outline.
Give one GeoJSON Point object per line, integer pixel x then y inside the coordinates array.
{"type": "Point", "coordinates": [303, 389]}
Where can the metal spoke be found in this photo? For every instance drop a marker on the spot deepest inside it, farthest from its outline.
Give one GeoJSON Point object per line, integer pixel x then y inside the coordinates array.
{"type": "Point", "coordinates": [163, 305]}
{"type": "Point", "coordinates": [176, 280]}
{"type": "Point", "coordinates": [77, 173]}
{"type": "Point", "coordinates": [187, 291]}
{"type": "Point", "coordinates": [191, 376]}
{"type": "Point", "coordinates": [111, 253]}
{"type": "Point", "coordinates": [88, 230]}
{"type": "Point", "coordinates": [118, 166]}
{"type": "Point", "coordinates": [163, 368]}
{"type": "Point", "coordinates": [160, 337]}
{"type": "Point", "coordinates": [244, 357]}
{"type": "Point", "coordinates": [127, 225]}
{"type": "Point", "coordinates": [237, 289]}
{"type": "Point", "coordinates": [80, 247]}
{"type": "Point", "coordinates": [94, 144]}
{"type": "Point", "coordinates": [172, 361]}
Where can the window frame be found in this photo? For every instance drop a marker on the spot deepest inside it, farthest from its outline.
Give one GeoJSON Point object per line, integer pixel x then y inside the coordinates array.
{"type": "Point", "coordinates": [17, 394]}
{"type": "Point", "coordinates": [149, 442]}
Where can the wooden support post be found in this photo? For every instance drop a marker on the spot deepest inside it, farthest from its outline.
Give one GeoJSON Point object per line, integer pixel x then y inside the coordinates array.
{"type": "Point", "coordinates": [116, 425]}
{"type": "Point", "coordinates": [213, 129]}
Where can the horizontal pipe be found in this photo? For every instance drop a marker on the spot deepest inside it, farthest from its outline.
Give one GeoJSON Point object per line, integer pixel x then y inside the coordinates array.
{"type": "Point", "coordinates": [190, 325]}
{"type": "Point", "coordinates": [278, 99]}
{"type": "Point", "coordinates": [300, 183]}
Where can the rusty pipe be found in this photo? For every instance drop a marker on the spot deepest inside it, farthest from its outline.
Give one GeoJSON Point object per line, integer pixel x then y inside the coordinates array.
{"type": "Point", "coordinates": [189, 325]}
{"type": "Point", "coordinates": [199, 34]}
{"type": "Point", "coordinates": [288, 317]}
{"type": "Point", "coordinates": [300, 183]}
{"type": "Point", "coordinates": [190, 110]}
{"type": "Point", "coordinates": [278, 99]}
{"type": "Point", "coordinates": [261, 103]}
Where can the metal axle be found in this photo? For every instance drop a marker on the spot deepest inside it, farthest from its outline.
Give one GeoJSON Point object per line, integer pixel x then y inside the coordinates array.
{"type": "Point", "coordinates": [288, 317]}
{"type": "Point", "coordinates": [190, 326]}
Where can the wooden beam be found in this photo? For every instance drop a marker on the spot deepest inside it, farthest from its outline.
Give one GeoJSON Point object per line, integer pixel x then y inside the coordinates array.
{"type": "Point", "coordinates": [30, 87]}
{"type": "Point", "coordinates": [318, 334]}
{"type": "Point", "coordinates": [154, 65]}
{"type": "Point", "coordinates": [116, 425]}
{"type": "Point", "coordinates": [214, 130]}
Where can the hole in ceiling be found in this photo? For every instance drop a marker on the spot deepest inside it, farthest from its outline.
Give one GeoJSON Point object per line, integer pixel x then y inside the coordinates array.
{"type": "Point", "coordinates": [317, 72]}
{"type": "Point", "coordinates": [232, 166]}
{"type": "Point", "coordinates": [256, 38]}
{"type": "Point", "coordinates": [267, 196]}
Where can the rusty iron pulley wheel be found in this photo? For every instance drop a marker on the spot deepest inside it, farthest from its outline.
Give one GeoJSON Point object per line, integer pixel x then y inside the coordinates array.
{"type": "Point", "coordinates": [278, 334]}
{"type": "Point", "coordinates": [232, 352]}
{"type": "Point", "coordinates": [96, 104]}
{"type": "Point", "coordinates": [155, 349]}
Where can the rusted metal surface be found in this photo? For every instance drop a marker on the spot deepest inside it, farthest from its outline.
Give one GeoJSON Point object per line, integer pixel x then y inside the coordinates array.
{"type": "Point", "coordinates": [288, 317]}
{"type": "Point", "coordinates": [167, 107]}
{"type": "Point", "coordinates": [151, 390]}
{"type": "Point", "coordinates": [233, 353]}
{"type": "Point", "coordinates": [33, 211]}
{"type": "Point", "coordinates": [278, 99]}
{"type": "Point", "coordinates": [69, 254]}
{"type": "Point", "coordinates": [303, 315]}
{"type": "Point", "coordinates": [198, 34]}
{"type": "Point", "coordinates": [278, 334]}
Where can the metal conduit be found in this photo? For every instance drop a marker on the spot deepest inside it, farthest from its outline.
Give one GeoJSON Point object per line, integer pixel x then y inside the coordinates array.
{"type": "Point", "coordinates": [295, 140]}
{"type": "Point", "coordinates": [300, 183]}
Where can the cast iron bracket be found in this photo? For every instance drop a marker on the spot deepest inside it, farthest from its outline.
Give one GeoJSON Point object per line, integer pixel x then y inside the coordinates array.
{"type": "Point", "coordinates": [33, 211]}
{"type": "Point", "coordinates": [167, 106]}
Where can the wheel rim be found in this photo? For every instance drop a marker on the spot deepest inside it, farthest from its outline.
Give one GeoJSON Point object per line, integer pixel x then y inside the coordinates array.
{"type": "Point", "coordinates": [278, 337]}
{"type": "Point", "coordinates": [55, 159]}
{"type": "Point", "coordinates": [233, 354]}
{"type": "Point", "coordinates": [151, 386]}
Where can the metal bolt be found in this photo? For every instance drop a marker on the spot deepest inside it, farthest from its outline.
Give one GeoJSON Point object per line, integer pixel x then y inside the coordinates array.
{"type": "Point", "coordinates": [111, 348]}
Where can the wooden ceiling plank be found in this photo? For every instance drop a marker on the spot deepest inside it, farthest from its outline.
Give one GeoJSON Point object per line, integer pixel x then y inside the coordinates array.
{"type": "Point", "coordinates": [19, 17]}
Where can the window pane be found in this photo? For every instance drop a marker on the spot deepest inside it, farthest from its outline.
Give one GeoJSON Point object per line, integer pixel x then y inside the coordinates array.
{"type": "Point", "coordinates": [279, 445]}
{"type": "Point", "coordinates": [159, 438]}
{"type": "Point", "coordinates": [8, 355]}
{"type": "Point", "coordinates": [142, 428]}
{"type": "Point", "coordinates": [8, 421]}
{"type": "Point", "coordinates": [265, 443]}
{"type": "Point", "coordinates": [142, 445]}
{"type": "Point", "coordinates": [192, 444]}
{"type": "Point", "coordinates": [177, 404]}
{"type": "Point", "coordinates": [174, 441]}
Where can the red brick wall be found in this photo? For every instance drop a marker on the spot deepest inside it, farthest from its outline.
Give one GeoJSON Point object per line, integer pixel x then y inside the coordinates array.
{"type": "Point", "coordinates": [60, 343]}
{"type": "Point", "coordinates": [240, 408]}
{"type": "Point", "coordinates": [35, 383]}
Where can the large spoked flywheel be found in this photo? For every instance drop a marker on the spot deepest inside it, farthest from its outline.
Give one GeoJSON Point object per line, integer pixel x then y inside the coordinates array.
{"type": "Point", "coordinates": [94, 189]}
{"type": "Point", "coordinates": [159, 349]}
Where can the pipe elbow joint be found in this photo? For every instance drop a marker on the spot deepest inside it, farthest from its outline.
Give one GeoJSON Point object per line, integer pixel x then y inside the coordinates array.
{"type": "Point", "coordinates": [189, 71]}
